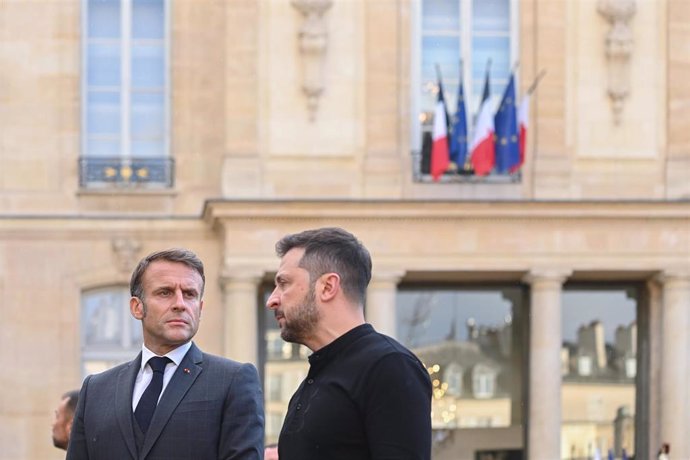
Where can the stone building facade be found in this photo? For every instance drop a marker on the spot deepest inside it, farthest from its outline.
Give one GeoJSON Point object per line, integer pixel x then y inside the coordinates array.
{"type": "Point", "coordinates": [279, 116]}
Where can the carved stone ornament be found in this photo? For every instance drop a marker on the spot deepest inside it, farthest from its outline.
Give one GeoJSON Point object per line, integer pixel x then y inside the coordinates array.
{"type": "Point", "coordinates": [313, 41]}
{"type": "Point", "coordinates": [126, 253]}
{"type": "Point", "coordinates": [619, 47]}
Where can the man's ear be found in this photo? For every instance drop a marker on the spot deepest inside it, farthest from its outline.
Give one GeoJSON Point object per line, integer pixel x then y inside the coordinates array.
{"type": "Point", "coordinates": [329, 286]}
{"type": "Point", "coordinates": [136, 307]}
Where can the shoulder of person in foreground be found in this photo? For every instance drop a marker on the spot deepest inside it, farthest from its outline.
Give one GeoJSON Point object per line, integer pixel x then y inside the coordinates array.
{"type": "Point", "coordinates": [242, 428]}
{"type": "Point", "coordinates": [398, 407]}
{"type": "Point", "coordinates": [103, 385]}
{"type": "Point", "coordinates": [76, 447]}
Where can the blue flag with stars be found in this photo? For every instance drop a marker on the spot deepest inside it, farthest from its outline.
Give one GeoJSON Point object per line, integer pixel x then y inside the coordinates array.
{"type": "Point", "coordinates": [458, 138]}
{"type": "Point", "coordinates": [506, 131]}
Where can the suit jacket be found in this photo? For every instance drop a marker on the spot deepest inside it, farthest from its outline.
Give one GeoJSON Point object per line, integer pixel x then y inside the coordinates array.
{"type": "Point", "coordinates": [212, 408]}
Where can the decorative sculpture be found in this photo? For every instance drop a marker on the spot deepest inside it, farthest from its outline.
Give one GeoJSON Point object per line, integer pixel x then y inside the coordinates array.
{"type": "Point", "coordinates": [125, 253]}
{"type": "Point", "coordinates": [313, 41]}
{"type": "Point", "coordinates": [619, 46]}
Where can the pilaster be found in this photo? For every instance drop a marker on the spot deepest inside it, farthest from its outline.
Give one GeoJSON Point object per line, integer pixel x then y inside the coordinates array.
{"type": "Point", "coordinates": [380, 309]}
{"type": "Point", "coordinates": [241, 313]}
{"type": "Point", "coordinates": [675, 321]}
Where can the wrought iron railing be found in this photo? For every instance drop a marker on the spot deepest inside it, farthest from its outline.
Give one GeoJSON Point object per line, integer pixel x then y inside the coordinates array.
{"type": "Point", "coordinates": [100, 172]}
{"type": "Point", "coordinates": [420, 173]}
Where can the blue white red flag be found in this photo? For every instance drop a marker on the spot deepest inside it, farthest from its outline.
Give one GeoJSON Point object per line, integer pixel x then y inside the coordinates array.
{"type": "Point", "coordinates": [482, 146]}
{"type": "Point", "coordinates": [440, 154]}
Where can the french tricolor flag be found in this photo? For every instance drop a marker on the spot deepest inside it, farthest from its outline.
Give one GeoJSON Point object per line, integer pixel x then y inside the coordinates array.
{"type": "Point", "coordinates": [440, 153]}
{"type": "Point", "coordinates": [523, 124]}
{"type": "Point", "coordinates": [482, 150]}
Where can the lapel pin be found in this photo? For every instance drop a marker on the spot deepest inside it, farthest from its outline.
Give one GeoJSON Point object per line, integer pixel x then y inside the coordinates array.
{"type": "Point", "coordinates": [186, 371]}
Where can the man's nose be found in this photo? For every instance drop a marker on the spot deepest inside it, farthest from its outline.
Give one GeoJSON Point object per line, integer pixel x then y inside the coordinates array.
{"type": "Point", "coordinates": [178, 299]}
{"type": "Point", "coordinates": [273, 301]}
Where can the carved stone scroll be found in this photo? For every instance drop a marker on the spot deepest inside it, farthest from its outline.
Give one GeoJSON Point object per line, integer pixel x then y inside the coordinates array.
{"type": "Point", "coordinates": [313, 41]}
{"type": "Point", "coordinates": [619, 47]}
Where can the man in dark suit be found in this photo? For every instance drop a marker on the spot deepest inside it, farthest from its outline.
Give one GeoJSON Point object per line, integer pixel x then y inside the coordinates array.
{"type": "Point", "coordinates": [172, 401]}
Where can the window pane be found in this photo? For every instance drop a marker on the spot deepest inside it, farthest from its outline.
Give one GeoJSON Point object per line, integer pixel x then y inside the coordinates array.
{"type": "Point", "coordinates": [103, 147]}
{"type": "Point", "coordinates": [495, 48]}
{"type": "Point", "coordinates": [491, 15]}
{"type": "Point", "coordinates": [109, 333]}
{"type": "Point", "coordinates": [147, 149]}
{"type": "Point", "coordinates": [104, 18]}
{"type": "Point", "coordinates": [444, 51]}
{"type": "Point", "coordinates": [148, 19]}
{"type": "Point", "coordinates": [103, 112]}
{"type": "Point", "coordinates": [441, 15]}
{"type": "Point", "coordinates": [148, 116]}
{"type": "Point", "coordinates": [470, 343]}
{"type": "Point", "coordinates": [103, 65]}
{"type": "Point", "coordinates": [148, 66]}
{"type": "Point", "coordinates": [102, 321]}
{"type": "Point", "coordinates": [599, 364]}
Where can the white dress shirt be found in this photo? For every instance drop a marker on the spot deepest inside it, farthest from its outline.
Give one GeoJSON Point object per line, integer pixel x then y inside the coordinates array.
{"type": "Point", "coordinates": [146, 373]}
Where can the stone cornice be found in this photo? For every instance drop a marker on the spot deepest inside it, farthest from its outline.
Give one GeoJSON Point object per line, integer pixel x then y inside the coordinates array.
{"type": "Point", "coordinates": [98, 227]}
{"type": "Point", "coordinates": [421, 210]}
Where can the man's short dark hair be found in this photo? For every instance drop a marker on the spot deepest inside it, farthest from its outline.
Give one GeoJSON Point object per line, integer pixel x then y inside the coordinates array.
{"type": "Point", "coordinates": [183, 256]}
{"type": "Point", "coordinates": [72, 400]}
{"type": "Point", "coordinates": [332, 250]}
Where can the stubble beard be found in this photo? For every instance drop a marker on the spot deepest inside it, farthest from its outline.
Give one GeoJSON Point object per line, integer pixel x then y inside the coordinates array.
{"type": "Point", "coordinates": [304, 320]}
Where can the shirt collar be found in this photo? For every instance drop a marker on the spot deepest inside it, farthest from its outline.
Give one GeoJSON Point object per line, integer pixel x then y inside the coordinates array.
{"type": "Point", "coordinates": [325, 354]}
{"type": "Point", "coordinates": [175, 355]}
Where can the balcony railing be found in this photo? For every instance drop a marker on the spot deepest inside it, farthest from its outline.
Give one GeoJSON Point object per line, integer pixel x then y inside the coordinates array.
{"type": "Point", "coordinates": [100, 172]}
{"type": "Point", "coordinates": [420, 173]}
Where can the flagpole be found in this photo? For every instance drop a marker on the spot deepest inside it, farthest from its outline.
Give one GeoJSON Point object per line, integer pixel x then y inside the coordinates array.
{"type": "Point", "coordinates": [536, 81]}
{"type": "Point", "coordinates": [439, 77]}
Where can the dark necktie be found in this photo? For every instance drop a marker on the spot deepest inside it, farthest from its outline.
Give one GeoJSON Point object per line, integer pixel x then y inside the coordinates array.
{"type": "Point", "coordinates": [149, 400]}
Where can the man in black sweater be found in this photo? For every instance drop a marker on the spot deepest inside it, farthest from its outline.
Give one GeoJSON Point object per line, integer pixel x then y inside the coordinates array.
{"type": "Point", "coordinates": [365, 396]}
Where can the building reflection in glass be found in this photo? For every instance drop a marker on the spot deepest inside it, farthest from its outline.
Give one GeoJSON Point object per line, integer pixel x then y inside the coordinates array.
{"type": "Point", "coordinates": [598, 367]}
{"type": "Point", "coordinates": [470, 340]}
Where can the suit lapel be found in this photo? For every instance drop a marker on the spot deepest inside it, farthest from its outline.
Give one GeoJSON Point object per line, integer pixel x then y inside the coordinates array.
{"type": "Point", "coordinates": [183, 378]}
{"type": "Point", "coordinates": [123, 402]}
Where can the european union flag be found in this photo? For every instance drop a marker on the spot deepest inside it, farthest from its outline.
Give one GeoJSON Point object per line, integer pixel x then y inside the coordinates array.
{"type": "Point", "coordinates": [458, 137]}
{"type": "Point", "coordinates": [506, 131]}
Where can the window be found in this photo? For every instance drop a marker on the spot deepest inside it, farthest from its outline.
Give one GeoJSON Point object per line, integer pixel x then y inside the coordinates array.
{"type": "Point", "coordinates": [478, 330]}
{"type": "Point", "coordinates": [284, 367]}
{"type": "Point", "coordinates": [275, 387]}
{"type": "Point", "coordinates": [453, 376]}
{"type": "Point", "coordinates": [125, 93]}
{"type": "Point", "coordinates": [447, 31]}
{"type": "Point", "coordinates": [599, 325]}
{"type": "Point", "coordinates": [584, 365]}
{"type": "Point", "coordinates": [110, 335]}
{"type": "Point", "coordinates": [483, 381]}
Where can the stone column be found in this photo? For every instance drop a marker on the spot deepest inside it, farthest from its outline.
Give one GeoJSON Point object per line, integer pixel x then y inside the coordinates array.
{"type": "Point", "coordinates": [675, 374]}
{"type": "Point", "coordinates": [241, 314]}
{"type": "Point", "coordinates": [380, 308]}
{"type": "Point", "coordinates": [545, 341]}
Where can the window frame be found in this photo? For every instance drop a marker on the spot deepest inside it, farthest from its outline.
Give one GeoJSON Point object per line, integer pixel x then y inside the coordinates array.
{"type": "Point", "coordinates": [472, 99]}
{"type": "Point", "coordinates": [125, 157]}
{"type": "Point", "coordinates": [121, 352]}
